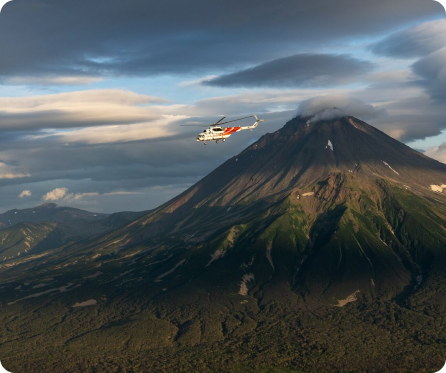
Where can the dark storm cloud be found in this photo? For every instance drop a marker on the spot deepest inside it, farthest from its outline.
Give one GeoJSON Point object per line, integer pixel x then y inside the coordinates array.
{"type": "Point", "coordinates": [300, 70]}
{"type": "Point", "coordinates": [136, 37]}
{"type": "Point", "coordinates": [432, 71]}
{"type": "Point", "coordinates": [417, 41]}
{"type": "Point", "coordinates": [412, 119]}
{"type": "Point", "coordinates": [426, 41]}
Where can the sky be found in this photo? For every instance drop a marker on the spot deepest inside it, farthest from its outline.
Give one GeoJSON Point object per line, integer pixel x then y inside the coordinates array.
{"type": "Point", "coordinates": [93, 93]}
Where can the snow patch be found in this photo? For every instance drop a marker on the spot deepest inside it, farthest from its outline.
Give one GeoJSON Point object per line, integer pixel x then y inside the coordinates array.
{"type": "Point", "coordinates": [151, 264]}
{"type": "Point", "coordinates": [362, 253]}
{"type": "Point", "coordinates": [329, 145]}
{"type": "Point", "coordinates": [383, 241]}
{"type": "Point", "coordinates": [123, 274]}
{"type": "Point", "coordinates": [63, 289]}
{"type": "Point", "coordinates": [159, 278]}
{"type": "Point", "coordinates": [268, 255]}
{"type": "Point", "coordinates": [132, 254]}
{"type": "Point", "coordinates": [217, 255]}
{"type": "Point", "coordinates": [438, 188]}
{"type": "Point", "coordinates": [386, 164]}
{"type": "Point", "coordinates": [90, 302]}
{"type": "Point", "coordinates": [244, 284]}
{"type": "Point", "coordinates": [308, 194]}
{"type": "Point", "coordinates": [35, 295]}
{"type": "Point", "coordinates": [38, 286]}
{"type": "Point", "coordinates": [352, 123]}
{"type": "Point", "coordinates": [349, 299]}
{"type": "Point", "coordinates": [246, 265]}
{"type": "Point", "coordinates": [94, 275]}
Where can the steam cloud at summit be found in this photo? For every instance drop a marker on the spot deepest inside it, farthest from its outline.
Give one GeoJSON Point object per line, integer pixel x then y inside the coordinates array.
{"type": "Point", "coordinates": [334, 107]}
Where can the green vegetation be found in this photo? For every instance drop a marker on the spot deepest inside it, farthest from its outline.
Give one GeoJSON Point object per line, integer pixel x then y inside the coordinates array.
{"type": "Point", "coordinates": [348, 279]}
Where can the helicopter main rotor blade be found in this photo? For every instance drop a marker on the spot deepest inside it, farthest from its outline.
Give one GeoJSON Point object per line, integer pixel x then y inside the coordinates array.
{"type": "Point", "coordinates": [216, 123]}
{"type": "Point", "coordinates": [235, 120]}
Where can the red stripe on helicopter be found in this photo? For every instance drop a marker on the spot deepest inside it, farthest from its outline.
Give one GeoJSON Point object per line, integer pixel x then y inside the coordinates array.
{"type": "Point", "coordinates": [230, 130]}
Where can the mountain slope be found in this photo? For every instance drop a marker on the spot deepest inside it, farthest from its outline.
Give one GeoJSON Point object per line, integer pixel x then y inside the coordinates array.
{"type": "Point", "coordinates": [321, 247]}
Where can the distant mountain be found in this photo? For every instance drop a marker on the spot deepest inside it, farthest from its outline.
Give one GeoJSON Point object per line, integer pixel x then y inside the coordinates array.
{"type": "Point", "coordinates": [31, 231]}
{"type": "Point", "coordinates": [48, 212]}
{"type": "Point", "coordinates": [320, 247]}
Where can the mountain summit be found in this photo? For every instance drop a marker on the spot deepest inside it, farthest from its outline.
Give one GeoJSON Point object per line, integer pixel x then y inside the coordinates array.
{"type": "Point", "coordinates": [302, 153]}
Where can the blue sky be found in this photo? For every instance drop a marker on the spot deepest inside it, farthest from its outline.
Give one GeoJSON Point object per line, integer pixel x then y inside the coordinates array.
{"type": "Point", "coordinates": [92, 94]}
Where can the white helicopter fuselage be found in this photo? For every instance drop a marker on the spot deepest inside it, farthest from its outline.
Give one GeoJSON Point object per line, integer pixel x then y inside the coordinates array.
{"type": "Point", "coordinates": [218, 133]}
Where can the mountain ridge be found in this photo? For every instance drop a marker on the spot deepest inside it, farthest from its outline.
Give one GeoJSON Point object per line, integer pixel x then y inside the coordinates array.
{"type": "Point", "coordinates": [49, 226]}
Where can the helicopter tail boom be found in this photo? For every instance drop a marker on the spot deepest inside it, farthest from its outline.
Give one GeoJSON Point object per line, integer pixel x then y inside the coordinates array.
{"type": "Point", "coordinates": [253, 126]}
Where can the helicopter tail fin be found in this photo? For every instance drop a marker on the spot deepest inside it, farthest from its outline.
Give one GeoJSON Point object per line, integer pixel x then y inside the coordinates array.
{"type": "Point", "coordinates": [257, 121]}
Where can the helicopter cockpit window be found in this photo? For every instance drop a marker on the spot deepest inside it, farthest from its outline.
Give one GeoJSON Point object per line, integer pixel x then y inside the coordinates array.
{"type": "Point", "coordinates": [218, 129]}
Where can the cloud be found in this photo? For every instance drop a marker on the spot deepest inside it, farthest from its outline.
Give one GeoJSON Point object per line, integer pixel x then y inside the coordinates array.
{"type": "Point", "coordinates": [417, 41]}
{"type": "Point", "coordinates": [79, 109]}
{"type": "Point", "coordinates": [121, 193]}
{"type": "Point", "coordinates": [249, 102]}
{"type": "Point", "coordinates": [411, 118]}
{"type": "Point", "coordinates": [11, 172]}
{"type": "Point", "coordinates": [56, 194]}
{"type": "Point", "coordinates": [140, 38]}
{"type": "Point", "coordinates": [427, 42]}
{"type": "Point", "coordinates": [300, 70]}
{"type": "Point", "coordinates": [61, 194]}
{"type": "Point", "coordinates": [25, 193]}
{"type": "Point", "coordinates": [113, 134]}
{"type": "Point", "coordinates": [337, 106]}
{"type": "Point", "coordinates": [432, 71]}
{"type": "Point", "coordinates": [196, 82]}
{"type": "Point", "coordinates": [51, 80]}
{"type": "Point", "coordinates": [437, 152]}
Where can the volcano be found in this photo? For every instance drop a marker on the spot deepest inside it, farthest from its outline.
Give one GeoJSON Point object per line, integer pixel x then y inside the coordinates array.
{"type": "Point", "coordinates": [333, 208]}
{"type": "Point", "coordinates": [320, 246]}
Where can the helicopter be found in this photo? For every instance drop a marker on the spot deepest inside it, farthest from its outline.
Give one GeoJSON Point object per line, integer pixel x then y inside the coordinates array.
{"type": "Point", "coordinates": [217, 132]}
